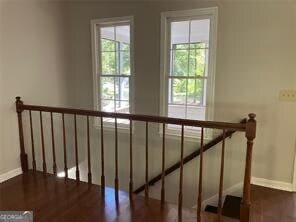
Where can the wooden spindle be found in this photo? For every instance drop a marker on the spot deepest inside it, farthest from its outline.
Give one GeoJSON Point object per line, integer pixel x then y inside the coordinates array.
{"type": "Point", "coordinates": [54, 167]}
{"type": "Point", "coordinates": [42, 144]}
{"type": "Point", "coordinates": [23, 155]}
{"type": "Point", "coordinates": [180, 202]}
{"type": "Point", "coordinates": [32, 141]}
{"type": "Point", "coordinates": [199, 199]}
{"type": "Point", "coordinates": [116, 182]}
{"type": "Point", "coordinates": [88, 153]}
{"type": "Point", "coordinates": [76, 149]}
{"type": "Point", "coordinates": [102, 158]}
{"type": "Point", "coordinates": [65, 147]}
{"type": "Point", "coordinates": [131, 160]}
{"type": "Point", "coordinates": [146, 164]}
{"type": "Point", "coordinates": [221, 177]}
{"type": "Point", "coordinates": [246, 201]}
{"type": "Point", "coordinates": [163, 166]}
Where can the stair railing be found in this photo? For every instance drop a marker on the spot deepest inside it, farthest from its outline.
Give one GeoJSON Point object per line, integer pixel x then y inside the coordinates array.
{"type": "Point", "coordinates": [249, 128]}
{"type": "Point", "coordinates": [189, 157]}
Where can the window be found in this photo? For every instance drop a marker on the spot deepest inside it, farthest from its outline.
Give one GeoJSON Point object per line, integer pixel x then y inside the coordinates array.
{"type": "Point", "coordinates": [113, 68]}
{"type": "Point", "coordinates": [187, 72]}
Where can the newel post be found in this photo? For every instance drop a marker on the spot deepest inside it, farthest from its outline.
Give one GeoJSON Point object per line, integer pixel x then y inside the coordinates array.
{"type": "Point", "coordinates": [23, 155]}
{"type": "Point", "coordinates": [246, 201]}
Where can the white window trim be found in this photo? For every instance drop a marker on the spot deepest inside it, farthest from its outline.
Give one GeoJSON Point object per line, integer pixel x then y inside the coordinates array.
{"type": "Point", "coordinates": [166, 17]}
{"type": "Point", "coordinates": [94, 49]}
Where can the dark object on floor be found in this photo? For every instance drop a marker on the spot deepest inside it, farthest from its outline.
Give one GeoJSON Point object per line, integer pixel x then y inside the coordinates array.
{"type": "Point", "coordinates": [231, 207]}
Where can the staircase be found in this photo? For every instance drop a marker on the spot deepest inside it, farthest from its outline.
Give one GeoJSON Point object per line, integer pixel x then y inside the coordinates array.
{"type": "Point", "coordinates": [189, 157]}
{"type": "Point", "coordinates": [231, 205]}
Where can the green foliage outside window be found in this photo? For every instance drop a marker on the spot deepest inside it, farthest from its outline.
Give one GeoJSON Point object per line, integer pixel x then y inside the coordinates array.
{"type": "Point", "coordinates": [188, 60]}
{"type": "Point", "coordinates": [115, 60]}
{"type": "Point", "coordinates": [115, 57]}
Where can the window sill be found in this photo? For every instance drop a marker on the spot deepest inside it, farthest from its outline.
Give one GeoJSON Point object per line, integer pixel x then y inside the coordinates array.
{"type": "Point", "coordinates": [110, 126]}
{"type": "Point", "coordinates": [188, 136]}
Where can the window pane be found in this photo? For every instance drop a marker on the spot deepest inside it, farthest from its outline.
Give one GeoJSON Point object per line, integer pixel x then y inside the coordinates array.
{"type": "Point", "coordinates": [200, 30]}
{"type": "Point", "coordinates": [107, 45]}
{"type": "Point", "coordinates": [177, 93]}
{"type": "Point", "coordinates": [195, 92]}
{"type": "Point", "coordinates": [180, 62]}
{"type": "Point", "coordinates": [179, 32]}
{"type": "Point", "coordinates": [107, 88]}
{"type": "Point", "coordinates": [108, 63]}
{"type": "Point", "coordinates": [181, 46]}
{"type": "Point", "coordinates": [189, 51]}
{"type": "Point", "coordinates": [114, 59]}
{"type": "Point", "coordinates": [125, 47]}
{"type": "Point", "coordinates": [107, 105]}
{"type": "Point", "coordinates": [198, 45]}
{"type": "Point", "coordinates": [122, 88]}
{"type": "Point", "coordinates": [122, 106]}
{"type": "Point", "coordinates": [123, 34]}
{"type": "Point", "coordinates": [176, 111]}
{"type": "Point", "coordinates": [107, 32]}
{"type": "Point", "coordinates": [196, 113]}
{"type": "Point", "coordinates": [125, 62]}
{"type": "Point", "coordinates": [197, 62]}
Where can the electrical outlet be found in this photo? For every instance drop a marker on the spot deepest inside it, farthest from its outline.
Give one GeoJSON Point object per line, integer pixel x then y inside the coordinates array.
{"type": "Point", "coordinates": [288, 95]}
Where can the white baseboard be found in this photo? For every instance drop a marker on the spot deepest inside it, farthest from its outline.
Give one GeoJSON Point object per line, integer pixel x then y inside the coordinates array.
{"type": "Point", "coordinates": [272, 184]}
{"type": "Point", "coordinates": [236, 189]}
{"type": "Point", "coordinates": [10, 174]}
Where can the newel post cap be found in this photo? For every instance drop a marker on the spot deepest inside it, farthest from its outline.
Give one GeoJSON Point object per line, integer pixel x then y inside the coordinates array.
{"type": "Point", "coordinates": [251, 127]}
{"type": "Point", "coordinates": [18, 102]}
{"type": "Point", "coordinates": [252, 116]}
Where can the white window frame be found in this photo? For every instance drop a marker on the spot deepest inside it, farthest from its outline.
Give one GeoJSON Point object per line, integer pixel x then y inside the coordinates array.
{"type": "Point", "coordinates": [166, 19]}
{"type": "Point", "coordinates": [95, 48]}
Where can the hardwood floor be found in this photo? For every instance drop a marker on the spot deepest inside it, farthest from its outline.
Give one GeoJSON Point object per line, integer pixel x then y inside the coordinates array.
{"type": "Point", "coordinates": [54, 199]}
{"type": "Point", "coordinates": [269, 205]}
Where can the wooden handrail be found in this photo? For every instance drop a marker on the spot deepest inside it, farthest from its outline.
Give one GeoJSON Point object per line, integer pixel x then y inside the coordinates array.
{"type": "Point", "coordinates": [189, 157]}
{"type": "Point", "coordinates": [249, 127]}
{"type": "Point", "coordinates": [137, 117]}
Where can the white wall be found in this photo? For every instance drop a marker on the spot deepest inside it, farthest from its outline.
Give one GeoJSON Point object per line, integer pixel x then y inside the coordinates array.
{"type": "Point", "coordinates": [255, 61]}
{"type": "Point", "coordinates": [33, 64]}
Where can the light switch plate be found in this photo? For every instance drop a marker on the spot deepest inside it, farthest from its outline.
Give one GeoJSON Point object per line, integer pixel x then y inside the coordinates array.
{"type": "Point", "coordinates": [288, 95]}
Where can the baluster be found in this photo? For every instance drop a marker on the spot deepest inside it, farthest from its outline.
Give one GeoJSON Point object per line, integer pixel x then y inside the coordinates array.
{"type": "Point", "coordinates": [131, 160]}
{"type": "Point", "coordinates": [88, 154]}
{"type": "Point", "coordinates": [76, 149]}
{"type": "Point", "coordinates": [221, 178]}
{"type": "Point", "coordinates": [54, 167]}
{"type": "Point", "coordinates": [246, 201]}
{"type": "Point", "coordinates": [42, 143]}
{"type": "Point", "coordinates": [65, 147]}
{"type": "Point", "coordinates": [32, 141]}
{"type": "Point", "coordinates": [116, 161]}
{"type": "Point", "coordinates": [102, 158]}
{"type": "Point", "coordinates": [146, 165]}
{"type": "Point", "coordinates": [163, 166]}
{"type": "Point", "coordinates": [180, 202]}
{"type": "Point", "coordinates": [199, 199]}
